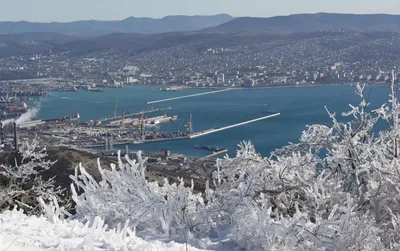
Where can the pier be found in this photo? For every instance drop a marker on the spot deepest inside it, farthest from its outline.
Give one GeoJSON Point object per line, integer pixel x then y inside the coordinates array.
{"type": "Point", "coordinates": [215, 151]}
{"type": "Point", "coordinates": [214, 130]}
{"type": "Point", "coordinates": [128, 115]}
{"type": "Point", "coordinates": [165, 139]}
{"type": "Point", "coordinates": [132, 141]}
{"type": "Point", "coordinates": [187, 96]}
{"type": "Point", "coordinates": [215, 154]}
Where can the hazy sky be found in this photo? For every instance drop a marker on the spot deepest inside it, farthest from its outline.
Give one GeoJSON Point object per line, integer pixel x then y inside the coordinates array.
{"type": "Point", "coordinates": [70, 10]}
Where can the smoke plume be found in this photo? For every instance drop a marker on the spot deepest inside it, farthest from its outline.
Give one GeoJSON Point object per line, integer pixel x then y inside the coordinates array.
{"type": "Point", "coordinates": [28, 116]}
{"type": "Point", "coordinates": [24, 118]}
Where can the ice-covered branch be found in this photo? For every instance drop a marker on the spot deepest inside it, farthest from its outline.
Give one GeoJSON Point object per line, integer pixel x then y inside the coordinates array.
{"type": "Point", "coordinates": [24, 182]}
{"type": "Point", "coordinates": [124, 194]}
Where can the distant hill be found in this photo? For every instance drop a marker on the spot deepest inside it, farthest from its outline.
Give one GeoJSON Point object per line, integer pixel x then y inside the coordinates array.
{"type": "Point", "coordinates": [34, 43]}
{"type": "Point", "coordinates": [312, 23]}
{"type": "Point", "coordinates": [30, 43]}
{"type": "Point", "coordinates": [146, 42]}
{"type": "Point", "coordinates": [129, 25]}
{"type": "Point", "coordinates": [42, 42]}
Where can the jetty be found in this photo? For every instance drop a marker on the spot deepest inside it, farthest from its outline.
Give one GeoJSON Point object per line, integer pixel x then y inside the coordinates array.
{"type": "Point", "coordinates": [215, 151]}
{"type": "Point", "coordinates": [214, 130]}
{"type": "Point", "coordinates": [134, 141]}
{"type": "Point", "coordinates": [128, 115]}
{"type": "Point", "coordinates": [188, 96]}
{"type": "Point", "coordinates": [215, 154]}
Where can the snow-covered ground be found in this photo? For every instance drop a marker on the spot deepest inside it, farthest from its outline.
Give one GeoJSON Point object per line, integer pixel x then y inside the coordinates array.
{"type": "Point", "coordinates": [19, 232]}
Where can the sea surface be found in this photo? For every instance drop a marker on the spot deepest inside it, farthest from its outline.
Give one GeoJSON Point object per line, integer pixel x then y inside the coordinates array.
{"type": "Point", "coordinates": [299, 106]}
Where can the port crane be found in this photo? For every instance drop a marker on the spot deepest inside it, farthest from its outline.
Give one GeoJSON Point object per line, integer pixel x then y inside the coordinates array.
{"type": "Point", "coordinates": [179, 126]}
{"type": "Point", "coordinates": [5, 101]}
{"type": "Point", "coordinates": [189, 125]}
{"type": "Point", "coordinates": [123, 117]}
{"type": "Point", "coordinates": [115, 108]}
{"type": "Point", "coordinates": [142, 132]}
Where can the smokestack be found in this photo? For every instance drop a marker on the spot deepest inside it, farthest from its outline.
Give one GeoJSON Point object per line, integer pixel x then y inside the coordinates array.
{"type": "Point", "coordinates": [15, 137]}
{"type": "Point", "coordinates": [1, 133]}
{"type": "Point", "coordinates": [110, 142]}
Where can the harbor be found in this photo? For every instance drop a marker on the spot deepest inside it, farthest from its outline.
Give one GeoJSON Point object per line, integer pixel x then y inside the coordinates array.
{"type": "Point", "coordinates": [56, 124]}
{"type": "Point", "coordinates": [121, 133]}
{"type": "Point", "coordinates": [146, 128]}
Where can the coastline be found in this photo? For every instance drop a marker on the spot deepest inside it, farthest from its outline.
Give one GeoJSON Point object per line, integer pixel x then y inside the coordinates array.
{"type": "Point", "coordinates": [279, 86]}
{"type": "Point", "coordinates": [381, 84]}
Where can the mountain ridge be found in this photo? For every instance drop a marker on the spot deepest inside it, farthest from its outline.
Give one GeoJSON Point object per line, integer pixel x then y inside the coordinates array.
{"type": "Point", "coordinates": [127, 25]}
{"type": "Point", "coordinates": [312, 22]}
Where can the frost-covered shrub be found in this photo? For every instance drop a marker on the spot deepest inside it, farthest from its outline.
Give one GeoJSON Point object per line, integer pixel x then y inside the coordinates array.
{"type": "Point", "coordinates": [23, 182]}
{"type": "Point", "coordinates": [337, 189]}
{"type": "Point", "coordinates": [124, 194]}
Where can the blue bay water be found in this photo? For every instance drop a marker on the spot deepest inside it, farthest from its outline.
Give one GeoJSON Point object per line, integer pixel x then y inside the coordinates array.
{"type": "Point", "coordinates": [298, 107]}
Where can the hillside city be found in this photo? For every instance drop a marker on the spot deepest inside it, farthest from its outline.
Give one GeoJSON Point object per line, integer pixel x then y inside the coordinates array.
{"type": "Point", "coordinates": [320, 58]}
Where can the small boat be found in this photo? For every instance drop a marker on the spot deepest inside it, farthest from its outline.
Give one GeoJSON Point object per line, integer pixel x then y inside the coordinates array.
{"type": "Point", "coordinates": [96, 89]}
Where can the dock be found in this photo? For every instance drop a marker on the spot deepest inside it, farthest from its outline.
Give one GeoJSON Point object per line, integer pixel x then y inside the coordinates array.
{"type": "Point", "coordinates": [129, 142]}
{"type": "Point", "coordinates": [215, 150]}
{"type": "Point", "coordinates": [215, 154]}
{"type": "Point", "coordinates": [214, 130]}
{"type": "Point", "coordinates": [128, 115]}
{"type": "Point", "coordinates": [165, 139]}
{"type": "Point", "coordinates": [147, 121]}
{"type": "Point", "coordinates": [187, 96]}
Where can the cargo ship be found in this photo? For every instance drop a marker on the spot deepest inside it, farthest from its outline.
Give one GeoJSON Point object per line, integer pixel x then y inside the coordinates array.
{"type": "Point", "coordinates": [161, 119]}
{"type": "Point", "coordinates": [172, 89]}
{"type": "Point", "coordinates": [149, 121]}
{"type": "Point", "coordinates": [14, 111]}
{"type": "Point", "coordinates": [209, 148]}
{"type": "Point", "coordinates": [16, 108]}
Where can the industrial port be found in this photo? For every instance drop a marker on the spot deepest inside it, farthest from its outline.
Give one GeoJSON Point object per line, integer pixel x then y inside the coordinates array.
{"type": "Point", "coordinates": [72, 137]}
{"type": "Point", "coordinates": [102, 135]}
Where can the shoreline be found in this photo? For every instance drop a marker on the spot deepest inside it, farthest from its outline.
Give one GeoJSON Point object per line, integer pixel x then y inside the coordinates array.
{"type": "Point", "coordinates": [266, 87]}
{"type": "Point", "coordinates": [189, 153]}
{"type": "Point", "coordinates": [383, 84]}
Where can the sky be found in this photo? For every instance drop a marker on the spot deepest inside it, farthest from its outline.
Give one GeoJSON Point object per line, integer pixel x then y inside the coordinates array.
{"type": "Point", "coordinates": [72, 10]}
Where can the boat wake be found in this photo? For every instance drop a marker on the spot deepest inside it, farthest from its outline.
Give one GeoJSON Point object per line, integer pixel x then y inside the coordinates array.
{"type": "Point", "coordinates": [87, 101]}
{"type": "Point", "coordinates": [101, 102]}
